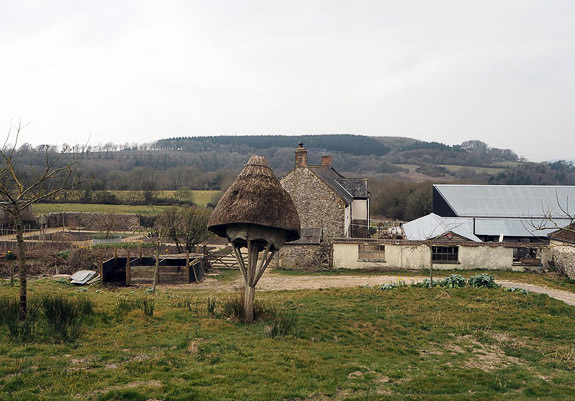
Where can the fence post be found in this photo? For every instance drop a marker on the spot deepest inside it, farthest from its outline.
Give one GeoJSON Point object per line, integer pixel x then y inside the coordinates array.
{"type": "Point", "coordinates": [128, 273]}
{"type": "Point", "coordinates": [101, 264]}
{"type": "Point", "coordinates": [141, 250]}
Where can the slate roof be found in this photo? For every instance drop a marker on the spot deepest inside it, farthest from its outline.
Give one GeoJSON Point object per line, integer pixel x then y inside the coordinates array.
{"type": "Point", "coordinates": [432, 226]}
{"type": "Point", "coordinates": [519, 201]}
{"type": "Point", "coordinates": [347, 189]}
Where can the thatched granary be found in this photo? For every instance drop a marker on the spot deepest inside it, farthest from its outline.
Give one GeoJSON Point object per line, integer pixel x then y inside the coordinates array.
{"type": "Point", "coordinates": [256, 198]}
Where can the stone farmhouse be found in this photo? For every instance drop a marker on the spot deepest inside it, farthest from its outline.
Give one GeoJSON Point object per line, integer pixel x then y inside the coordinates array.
{"type": "Point", "coordinates": [329, 205]}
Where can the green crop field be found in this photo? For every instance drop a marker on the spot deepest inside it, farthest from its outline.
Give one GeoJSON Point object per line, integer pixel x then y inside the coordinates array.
{"type": "Point", "coordinates": [333, 344]}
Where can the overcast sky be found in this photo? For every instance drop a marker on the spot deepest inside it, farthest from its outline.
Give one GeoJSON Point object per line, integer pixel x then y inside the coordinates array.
{"type": "Point", "coordinates": [136, 71]}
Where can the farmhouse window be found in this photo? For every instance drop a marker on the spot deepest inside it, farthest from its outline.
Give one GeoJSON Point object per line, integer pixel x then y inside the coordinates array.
{"type": "Point", "coordinates": [371, 252]}
{"type": "Point", "coordinates": [444, 254]}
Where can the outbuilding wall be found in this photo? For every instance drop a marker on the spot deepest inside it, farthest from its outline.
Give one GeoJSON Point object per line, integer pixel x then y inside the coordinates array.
{"type": "Point", "coordinates": [417, 255]}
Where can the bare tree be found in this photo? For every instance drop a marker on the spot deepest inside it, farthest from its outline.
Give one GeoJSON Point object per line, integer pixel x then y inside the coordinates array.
{"type": "Point", "coordinates": [561, 222]}
{"type": "Point", "coordinates": [185, 226]}
{"type": "Point", "coordinates": [18, 192]}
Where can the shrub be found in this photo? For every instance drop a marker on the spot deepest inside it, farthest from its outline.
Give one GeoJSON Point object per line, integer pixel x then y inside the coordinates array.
{"type": "Point", "coordinates": [425, 283]}
{"type": "Point", "coordinates": [283, 324]}
{"type": "Point", "coordinates": [9, 312]}
{"type": "Point", "coordinates": [148, 306]}
{"type": "Point", "coordinates": [516, 290]}
{"type": "Point", "coordinates": [65, 254]}
{"type": "Point", "coordinates": [211, 307]}
{"type": "Point", "coordinates": [453, 281]}
{"type": "Point", "coordinates": [483, 280]}
{"type": "Point", "coordinates": [234, 308]}
{"type": "Point", "coordinates": [64, 316]}
{"type": "Point", "coordinates": [124, 306]}
{"type": "Point", "coordinates": [388, 286]}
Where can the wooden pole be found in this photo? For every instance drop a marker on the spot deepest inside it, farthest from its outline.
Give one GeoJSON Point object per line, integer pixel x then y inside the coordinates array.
{"type": "Point", "coordinates": [128, 272]}
{"type": "Point", "coordinates": [115, 252]}
{"type": "Point", "coordinates": [141, 250]}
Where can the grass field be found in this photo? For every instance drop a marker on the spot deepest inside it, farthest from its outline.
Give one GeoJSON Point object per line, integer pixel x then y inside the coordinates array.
{"type": "Point", "coordinates": [45, 208]}
{"type": "Point", "coordinates": [200, 198]}
{"type": "Point", "coordinates": [352, 344]}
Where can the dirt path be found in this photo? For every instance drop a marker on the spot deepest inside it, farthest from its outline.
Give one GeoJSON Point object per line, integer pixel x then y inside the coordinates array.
{"type": "Point", "coordinates": [271, 281]}
{"type": "Point", "coordinates": [565, 296]}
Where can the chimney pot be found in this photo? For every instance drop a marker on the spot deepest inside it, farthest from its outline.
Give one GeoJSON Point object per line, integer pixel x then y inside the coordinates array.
{"type": "Point", "coordinates": [300, 156]}
{"type": "Point", "coordinates": [326, 161]}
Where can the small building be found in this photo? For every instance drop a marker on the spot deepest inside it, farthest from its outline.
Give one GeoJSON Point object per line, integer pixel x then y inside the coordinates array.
{"type": "Point", "coordinates": [329, 205]}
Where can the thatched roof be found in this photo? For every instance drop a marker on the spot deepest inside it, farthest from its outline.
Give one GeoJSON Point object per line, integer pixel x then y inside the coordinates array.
{"type": "Point", "coordinates": [256, 197]}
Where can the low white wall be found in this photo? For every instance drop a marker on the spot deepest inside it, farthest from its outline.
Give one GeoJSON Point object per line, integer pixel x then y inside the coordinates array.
{"type": "Point", "coordinates": [417, 256]}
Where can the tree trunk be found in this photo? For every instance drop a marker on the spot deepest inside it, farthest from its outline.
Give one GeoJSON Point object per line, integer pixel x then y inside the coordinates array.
{"type": "Point", "coordinates": [156, 270]}
{"type": "Point", "coordinates": [21, 263]}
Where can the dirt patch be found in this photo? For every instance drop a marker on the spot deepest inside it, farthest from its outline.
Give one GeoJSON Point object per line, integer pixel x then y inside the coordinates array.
{"type": "Point", "coordinates": [272, 281]}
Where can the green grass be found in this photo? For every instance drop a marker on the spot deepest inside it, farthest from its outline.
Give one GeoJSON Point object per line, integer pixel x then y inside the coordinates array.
{"type": "Point", "coordinates": [353, 344]}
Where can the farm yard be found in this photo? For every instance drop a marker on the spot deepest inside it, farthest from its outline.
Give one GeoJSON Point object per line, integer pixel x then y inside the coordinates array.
{"type": "Point", "coordinates": [328, 343]}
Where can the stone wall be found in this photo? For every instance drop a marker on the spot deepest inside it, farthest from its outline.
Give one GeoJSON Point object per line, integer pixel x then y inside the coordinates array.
{"type": "Point", "coordinates": [564, 260]}
{"type": "Point", "coordinates": [318, 206]}
{"type": "Point", "coordinates": [94, 221]}
{"type": "Point", "coordinates": [307, 257]}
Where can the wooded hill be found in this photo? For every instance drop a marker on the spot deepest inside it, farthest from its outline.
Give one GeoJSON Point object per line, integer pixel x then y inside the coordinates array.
{"type": "Point", "coordinates": [213, 162]}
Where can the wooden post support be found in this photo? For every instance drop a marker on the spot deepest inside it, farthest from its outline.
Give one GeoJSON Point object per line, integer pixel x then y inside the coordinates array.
{"type": "Point", "coordinates": [141, 250]}
{"type": "Point", "coordinates": [128, 272]}
{"type": "Point", "coordinates": [101, 264]}
{"type": "Point", "coordinates": [115, 252]}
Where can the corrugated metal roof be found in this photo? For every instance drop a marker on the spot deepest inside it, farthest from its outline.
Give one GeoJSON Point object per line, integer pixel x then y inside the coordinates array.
{"type": "Point", "coordinates": [517, 227]}
{"type": "Point", "coordinates": [433, 226]}
{"type": "Point", "coordinates": [522, 201]}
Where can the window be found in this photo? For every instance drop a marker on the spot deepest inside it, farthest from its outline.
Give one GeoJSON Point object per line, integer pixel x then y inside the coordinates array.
{"type": "Point", "coordinates": [525, 256]}
{"type": "Point", "coordinates": [444, 254]}
{"type": "Point", "coordinates": [371, 252]}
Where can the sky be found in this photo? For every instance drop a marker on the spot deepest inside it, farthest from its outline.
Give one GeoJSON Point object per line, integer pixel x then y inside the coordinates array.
{"type": "Point", "coordinates": [120, 71]}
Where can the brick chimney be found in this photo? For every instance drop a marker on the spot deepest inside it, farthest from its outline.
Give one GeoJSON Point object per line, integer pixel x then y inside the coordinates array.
{"type": "Point", "coordinates": [300, 156]}
{"type": "Point", "coordinates": [326, 161]}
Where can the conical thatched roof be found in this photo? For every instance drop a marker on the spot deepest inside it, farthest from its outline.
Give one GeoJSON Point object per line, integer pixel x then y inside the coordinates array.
{"type": "Point", "coordinates": [256, 197]}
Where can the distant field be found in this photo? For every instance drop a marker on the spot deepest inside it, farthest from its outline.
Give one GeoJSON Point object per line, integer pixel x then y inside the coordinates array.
{"type": "Point", "coordinates": [45, 208]}
{"type": "Point", "coordinates": [479, 170]}
{"type": "Point", "coordinates": [200, 198]}
{"type": "Point", "coordinates": [410, 167]}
